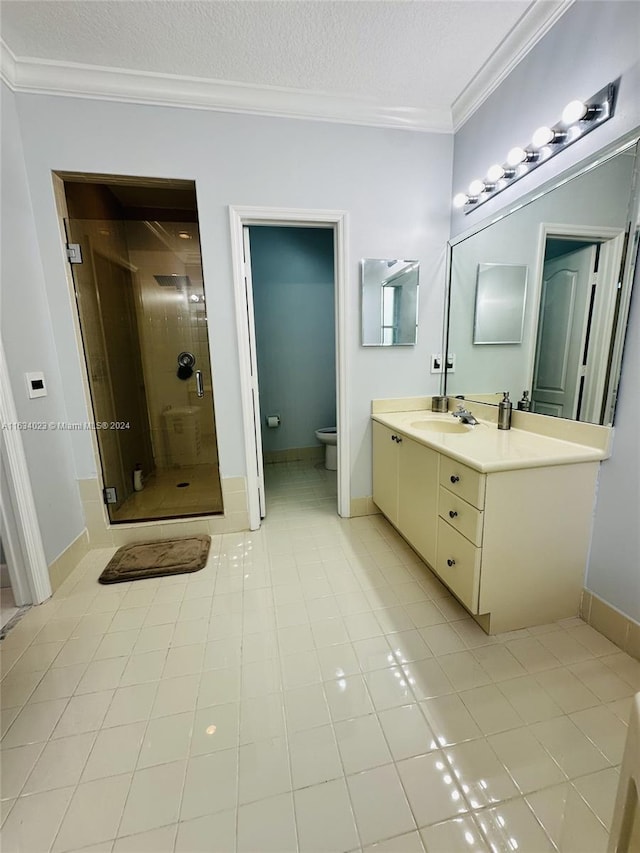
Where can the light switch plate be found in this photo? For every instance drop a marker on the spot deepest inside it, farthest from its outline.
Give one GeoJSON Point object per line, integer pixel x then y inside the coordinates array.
{"type": "Point", "coordinates": [35, 384]}
{"type": "Point", "coordinates": [438, 364]}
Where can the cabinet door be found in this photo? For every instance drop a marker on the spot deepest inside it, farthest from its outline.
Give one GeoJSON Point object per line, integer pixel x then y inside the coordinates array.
{"type": "Point", "coordinates": [385, 471]}
{"type": "Point", "coordinates": [418, 497]}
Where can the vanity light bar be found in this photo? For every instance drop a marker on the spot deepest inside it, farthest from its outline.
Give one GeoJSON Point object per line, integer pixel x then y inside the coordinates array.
{"type": "Point", "coordinates": [578, 119]}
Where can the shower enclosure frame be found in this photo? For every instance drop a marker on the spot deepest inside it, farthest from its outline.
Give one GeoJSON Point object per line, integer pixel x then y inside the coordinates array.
{"type": "Point", "coordinates": [239, 217]}
{"type": "Point", "coordinates": [105, 524]}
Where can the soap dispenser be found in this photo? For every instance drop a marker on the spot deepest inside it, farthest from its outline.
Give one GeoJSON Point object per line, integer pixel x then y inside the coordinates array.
{"type": "Point", "coordinates": [524, 405]}
{"type": "Point", "coordinates": [504, 412]}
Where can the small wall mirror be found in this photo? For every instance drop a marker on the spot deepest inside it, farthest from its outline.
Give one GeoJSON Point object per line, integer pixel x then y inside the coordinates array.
{"type": "Point", "coordinates": [389, 302]}
{"type": "Point", "coordinates": [501, 290]}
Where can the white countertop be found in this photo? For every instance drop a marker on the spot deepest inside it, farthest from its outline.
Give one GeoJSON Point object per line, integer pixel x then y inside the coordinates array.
{"type": "Point", "coordinates": [486, 448]}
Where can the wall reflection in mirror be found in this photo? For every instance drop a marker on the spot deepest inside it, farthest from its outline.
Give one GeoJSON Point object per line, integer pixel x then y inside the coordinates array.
{"type": "Point", "coordinates": [549, 284]}
{"type": "Point", "coordinates": [389, 302]}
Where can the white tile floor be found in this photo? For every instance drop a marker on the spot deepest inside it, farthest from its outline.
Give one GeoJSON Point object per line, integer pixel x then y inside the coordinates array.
{"type": "Point", "coordinates": [314, 688]}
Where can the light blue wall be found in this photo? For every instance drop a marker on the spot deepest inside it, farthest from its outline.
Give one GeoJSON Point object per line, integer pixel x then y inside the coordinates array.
{"type": "Point", "coordinates": [293, 295]}
{"type": "Point", "coordinates": [394, 186]}
{"type": "Point", "coordinates": [613, 572]}
{"type": "Point", "coordinates": [592, 44]}
{"type": "Point", "coordinates": [28, 339]}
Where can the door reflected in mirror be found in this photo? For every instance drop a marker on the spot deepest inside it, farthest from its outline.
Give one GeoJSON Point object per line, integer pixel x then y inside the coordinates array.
{"type": "Point", "coordinates": [559, 332]}
{"type": "Point", "coordinates": [389, 302]}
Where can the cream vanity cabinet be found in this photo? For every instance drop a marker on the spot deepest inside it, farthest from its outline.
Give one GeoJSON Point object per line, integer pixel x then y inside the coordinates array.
{"type": "Point", "coordinates": [511, 545]}
{"type": "Point", "coordinates": [405, 487]}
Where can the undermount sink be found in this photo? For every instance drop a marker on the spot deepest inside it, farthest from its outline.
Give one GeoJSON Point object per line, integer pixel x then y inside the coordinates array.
{"type": "Point", "coordinates": [434, 425]}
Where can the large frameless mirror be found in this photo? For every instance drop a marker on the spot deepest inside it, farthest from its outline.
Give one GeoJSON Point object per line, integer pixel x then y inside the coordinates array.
{"type": "Point", "coordinates": [389, 302]}
{"type": "Point", "coordinates": [548, 284]}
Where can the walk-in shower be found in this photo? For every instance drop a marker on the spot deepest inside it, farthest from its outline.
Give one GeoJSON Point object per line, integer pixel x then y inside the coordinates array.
{"type": "Point", "coordinates": [142, 309]}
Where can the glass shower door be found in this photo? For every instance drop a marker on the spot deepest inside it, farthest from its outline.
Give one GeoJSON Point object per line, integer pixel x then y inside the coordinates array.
{"type": "Point", "coordinates": [142, 310]}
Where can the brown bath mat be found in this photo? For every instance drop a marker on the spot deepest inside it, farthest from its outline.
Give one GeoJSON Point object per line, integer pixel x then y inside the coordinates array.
{"type": "Point", "coordinates": [153, 559]}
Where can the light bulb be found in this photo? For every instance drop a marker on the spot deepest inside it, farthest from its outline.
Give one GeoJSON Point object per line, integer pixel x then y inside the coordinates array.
{"type": "Point", "coordinates": [574, 111]}
{"type": "Point", "coordinates": [460, 200]}
{"type": "Point", "coordinates": [495, 173]}
{"type": "Point", "coordinates": [547, 136]}
{"type": "Point", "coordinates": [542, 136]}
{"type": "Point", "coordinates": [516, 156]}
{"type": "Point", "coordinates": [476, 188]}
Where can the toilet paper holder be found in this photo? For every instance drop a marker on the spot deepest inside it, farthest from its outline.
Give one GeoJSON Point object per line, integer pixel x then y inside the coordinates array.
{"type": "Point", "coordinates": [273, 421]}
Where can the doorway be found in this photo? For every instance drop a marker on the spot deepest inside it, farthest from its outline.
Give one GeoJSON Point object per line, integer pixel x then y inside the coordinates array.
{"type": "Point", "coordinates": [8, 606]}
{"type": "Point", "coordinates": [241, 217]}
{"type": "Point", "coordinates": [579, 293]}
{"type": "Point", "coordinates": [293, 286]}
{"type": "Point", "coordinates": [134, 249]}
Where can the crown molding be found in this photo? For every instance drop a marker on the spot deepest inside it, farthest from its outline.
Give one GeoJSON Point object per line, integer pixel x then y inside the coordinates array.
{"type": "Point", "coordinates": [534, 24]}
{"type": "Point", "coordinates": [75, 80]}
{"type": "Point", "coordinates": [7, 65]}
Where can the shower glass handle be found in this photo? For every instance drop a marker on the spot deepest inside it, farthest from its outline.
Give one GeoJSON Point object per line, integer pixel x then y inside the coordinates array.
{"type": "Point", "coordinates": [199, 383]}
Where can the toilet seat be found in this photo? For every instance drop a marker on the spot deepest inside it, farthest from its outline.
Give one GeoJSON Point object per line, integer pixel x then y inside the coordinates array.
{"type": "Point", "coordinates": [327, 435]}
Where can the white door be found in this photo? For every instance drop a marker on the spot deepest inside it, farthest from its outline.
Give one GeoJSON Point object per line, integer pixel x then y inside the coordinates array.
{"type": "Point", "coordinates": [248, 290]}
{"type": "Point", "coordinates": [560, 363]}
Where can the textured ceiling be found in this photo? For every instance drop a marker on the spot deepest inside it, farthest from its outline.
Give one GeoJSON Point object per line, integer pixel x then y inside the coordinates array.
{"type": "Point", "coordinates": [406, 54]}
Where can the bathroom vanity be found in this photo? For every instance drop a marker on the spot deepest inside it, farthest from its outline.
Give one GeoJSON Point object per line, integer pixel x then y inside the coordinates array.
{"type": "Point", "coordinates": [502, 517]}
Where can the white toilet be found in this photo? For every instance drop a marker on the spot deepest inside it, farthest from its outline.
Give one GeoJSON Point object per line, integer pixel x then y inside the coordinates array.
{"type": "Point", "coordinates": [329, 437]}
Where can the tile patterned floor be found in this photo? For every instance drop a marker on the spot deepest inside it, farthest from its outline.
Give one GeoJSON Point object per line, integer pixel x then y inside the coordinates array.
{"type": "Point", "coordinates": [314, 688]}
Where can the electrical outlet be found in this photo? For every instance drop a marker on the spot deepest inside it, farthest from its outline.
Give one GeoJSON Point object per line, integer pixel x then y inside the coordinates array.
{"type": "Point", "coordinates": [110, 495]}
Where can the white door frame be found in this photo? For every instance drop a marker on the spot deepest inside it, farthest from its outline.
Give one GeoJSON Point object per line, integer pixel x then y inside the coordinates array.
{"type": "Point", "coordinates": [253, 351]}
{"type": "Point", "coordinates": [239, 217]}
{"type": "Point", "coordinates": [30, 583]}
{"type": "Point", "coordinates": [612, 245]}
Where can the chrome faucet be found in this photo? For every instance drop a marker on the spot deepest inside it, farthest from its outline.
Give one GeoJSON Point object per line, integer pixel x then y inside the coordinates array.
{"type": "Point", "coordinates": [465, 416]}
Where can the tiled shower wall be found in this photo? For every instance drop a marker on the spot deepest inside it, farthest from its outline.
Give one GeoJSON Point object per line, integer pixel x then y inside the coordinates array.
{"type": "Point", "coordinates": [170, 322]}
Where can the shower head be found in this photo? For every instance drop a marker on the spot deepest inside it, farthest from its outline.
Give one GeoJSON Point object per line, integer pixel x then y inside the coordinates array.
{"type": "Point", "coordinates": [180, 282]}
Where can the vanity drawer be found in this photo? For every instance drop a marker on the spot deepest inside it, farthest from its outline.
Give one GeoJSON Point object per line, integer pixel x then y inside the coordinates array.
{"type": "Point", "coordinates": [462, 481]}
{"type": "Point", "coordinates": [458, 564]}
{"type": "Point", "coordinates": [461, 515]}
